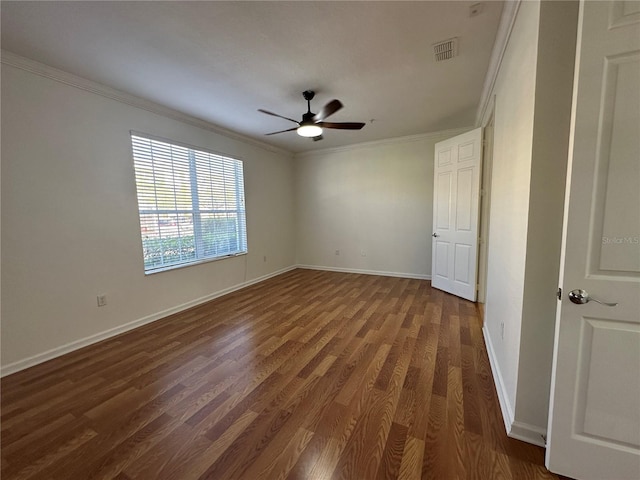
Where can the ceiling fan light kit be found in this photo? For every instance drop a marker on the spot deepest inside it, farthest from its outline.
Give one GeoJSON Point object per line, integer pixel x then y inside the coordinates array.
{"type": "Point", "coordinates": [312, 123]}
{"type": "Point", "coordinates": [309, 130]}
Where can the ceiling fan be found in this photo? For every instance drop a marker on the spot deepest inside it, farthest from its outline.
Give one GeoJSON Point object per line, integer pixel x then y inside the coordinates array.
{"type": "Point", "coordinates": [313, 123]}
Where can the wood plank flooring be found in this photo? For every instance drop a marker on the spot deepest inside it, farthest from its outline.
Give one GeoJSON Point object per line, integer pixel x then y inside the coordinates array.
{"type": "Point", "coordinates": [308, 375]}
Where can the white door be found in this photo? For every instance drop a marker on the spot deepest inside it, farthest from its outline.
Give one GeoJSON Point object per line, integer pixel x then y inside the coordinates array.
{"type": "Point", "coordinates": [456, 190]}
{"type": "Point", "coordinates": [594, 423]}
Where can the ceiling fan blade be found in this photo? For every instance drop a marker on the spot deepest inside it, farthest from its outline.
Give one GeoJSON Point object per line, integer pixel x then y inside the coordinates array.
{"type": "Point", "coordinates": [282, 131]}
{"type": "Point", "coordinates": [276, 115]}
{"type": "Point", "coordinates": [342, 125]}
{"type": "Point", "coordinates": [329, 109]}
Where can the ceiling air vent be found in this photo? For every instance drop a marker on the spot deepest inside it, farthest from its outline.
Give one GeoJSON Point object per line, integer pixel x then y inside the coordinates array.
{"type": "Point", "coordinates": [446, 49]}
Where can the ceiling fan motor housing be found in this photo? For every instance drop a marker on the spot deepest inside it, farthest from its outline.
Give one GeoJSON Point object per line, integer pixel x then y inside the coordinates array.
{"type": "Point", "coordinates": [313, 123]}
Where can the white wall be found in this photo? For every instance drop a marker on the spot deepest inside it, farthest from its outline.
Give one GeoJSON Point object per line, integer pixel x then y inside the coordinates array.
{"type": "Point", "coordinates": [511, 175]}
{"type": "Point", "coordinates": [532, 118]}
{"type": "Point", "coordinates": [550, 150]}
{"type": "Point", "coordinates": [374, 197]}
{"type": "Point", "coordinates": [70, 224]}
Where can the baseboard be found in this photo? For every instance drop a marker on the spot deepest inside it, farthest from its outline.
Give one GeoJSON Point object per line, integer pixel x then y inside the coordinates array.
{"type": "Point", "coordinates": [505, 407]}
{"type": "Point", "coordinates": [481, 312]}
{"type": "Point", "coordinates": [514, 428]}
{"type": "Point", "coordinates": [366, 272]}
{"type": "Point", "coordinates": [528, 433]}
{"type": "Point", "coordinates": [83, 342]}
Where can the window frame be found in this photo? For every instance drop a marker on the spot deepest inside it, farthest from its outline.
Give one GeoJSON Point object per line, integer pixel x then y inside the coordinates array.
{"type": "Point", "coordinates": [195, 211]}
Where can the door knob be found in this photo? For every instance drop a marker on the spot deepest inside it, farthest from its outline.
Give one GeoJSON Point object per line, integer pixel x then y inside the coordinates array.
{"type": "Point", "coordinates": [582, 296]}
{"type": "Point", "coordinates": [435, 235]}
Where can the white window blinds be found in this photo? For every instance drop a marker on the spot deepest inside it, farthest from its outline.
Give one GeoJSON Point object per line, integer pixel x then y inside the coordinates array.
{"type": "Point", "coordinates": [191, 204]}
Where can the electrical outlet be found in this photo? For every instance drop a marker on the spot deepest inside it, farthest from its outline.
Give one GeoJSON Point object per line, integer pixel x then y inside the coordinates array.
{"type": "Point", "coordinates": [337, 252]}
{"type": "Point", "coordinates": [102, 300]}
{"type": "Point", "coordinates": [363, 253]}
{"type": "Point", "coordinates": [502, 330]}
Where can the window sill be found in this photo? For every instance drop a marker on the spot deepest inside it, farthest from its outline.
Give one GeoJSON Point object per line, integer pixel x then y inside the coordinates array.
{"type": "Point", "coordinates": [191, 264]}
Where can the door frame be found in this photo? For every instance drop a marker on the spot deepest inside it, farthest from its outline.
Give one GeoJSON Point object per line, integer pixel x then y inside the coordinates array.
{"type": "Point", "coordinates": [485, 203]}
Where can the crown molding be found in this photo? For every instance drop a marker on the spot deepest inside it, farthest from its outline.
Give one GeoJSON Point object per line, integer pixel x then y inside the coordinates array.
{"type": "Point", "coordinates": [37, 68]}
{"type": "Point", "coordinates": [507, 20]}
{"type": "Point", "coordinates": [387, 141]}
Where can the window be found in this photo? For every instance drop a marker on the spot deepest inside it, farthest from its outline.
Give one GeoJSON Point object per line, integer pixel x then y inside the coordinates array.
{"type": "Point", "coordinates": [191, 204]}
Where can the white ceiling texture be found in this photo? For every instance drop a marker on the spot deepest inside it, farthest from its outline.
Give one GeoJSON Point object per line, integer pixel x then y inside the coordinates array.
{"type": "Point", "coordinates": [221, 61]}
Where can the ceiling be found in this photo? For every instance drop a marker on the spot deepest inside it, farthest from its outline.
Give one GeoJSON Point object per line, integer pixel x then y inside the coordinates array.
{"type": "Point", "coordinates": [221, 61]}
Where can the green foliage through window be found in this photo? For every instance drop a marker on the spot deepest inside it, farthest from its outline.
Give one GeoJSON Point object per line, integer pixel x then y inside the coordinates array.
{"type": "Point", "coordinates": [191, 204]}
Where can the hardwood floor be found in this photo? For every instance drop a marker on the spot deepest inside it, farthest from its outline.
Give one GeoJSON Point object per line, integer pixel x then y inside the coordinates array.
{"type": "Point", "coordinates": [309, 375]}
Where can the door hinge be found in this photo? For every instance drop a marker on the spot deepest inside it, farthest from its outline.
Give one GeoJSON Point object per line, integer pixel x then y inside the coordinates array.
{"type": "Point", "coordinates": [559, 293]}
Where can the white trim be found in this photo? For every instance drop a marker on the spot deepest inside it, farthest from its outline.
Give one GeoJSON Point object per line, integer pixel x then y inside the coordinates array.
{"type": "Point", "coordinates": [387, 141]}
{"type": "Point", "coordinates": [366, 272]}
{"type": "Point", "coordinates": [514, 428]}
{"type": "Point", "coordinates": [37, 68]}
{"type": "Point", "coordinates": [528, 433]}
{"type": "Point", "coordinates": [43, 70]}
{"type": "Point", "coordinates": [83, 342]}
{"type": "Point", "coordinates": [507, 20]}
{"type": "Point", "coordinates": [505, 407]}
